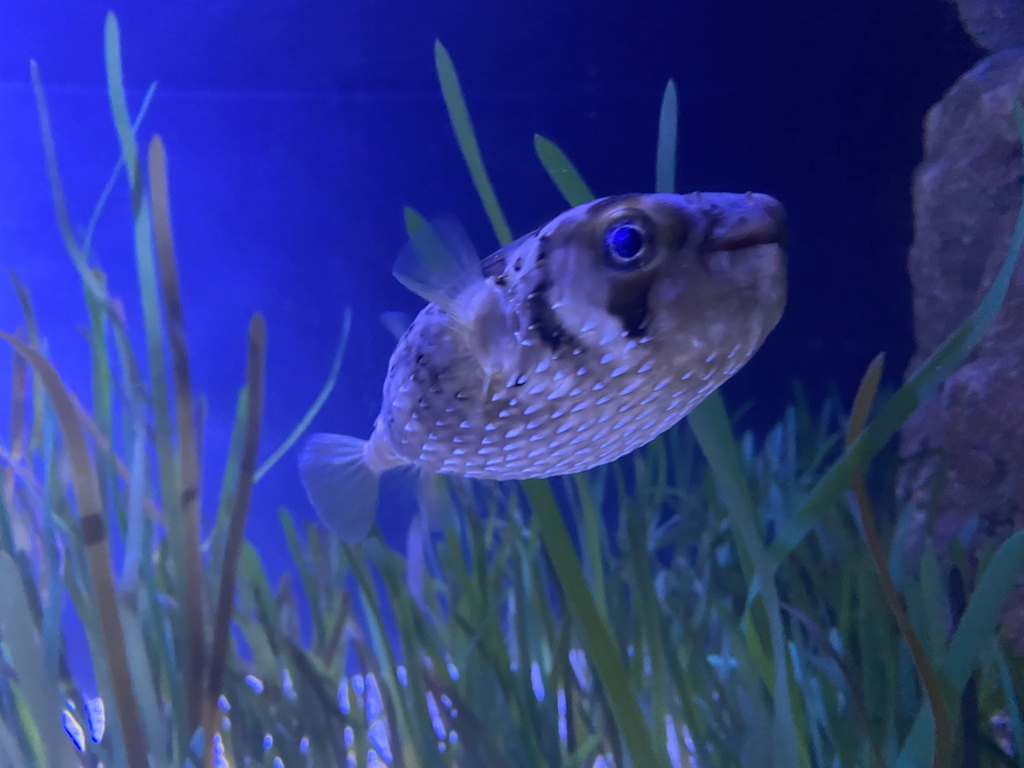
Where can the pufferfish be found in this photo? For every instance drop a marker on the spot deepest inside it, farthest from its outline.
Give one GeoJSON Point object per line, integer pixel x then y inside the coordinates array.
{"type": "Point", "coordinates": [567, 349]}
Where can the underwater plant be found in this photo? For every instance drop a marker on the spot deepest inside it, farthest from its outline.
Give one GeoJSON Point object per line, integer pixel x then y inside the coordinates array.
{"type": "Point", "coordinates": [748, 607]}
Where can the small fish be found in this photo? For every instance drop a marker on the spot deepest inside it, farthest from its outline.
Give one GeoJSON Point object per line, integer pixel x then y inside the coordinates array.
{"type": "Point", "coordinates": [572, 346]}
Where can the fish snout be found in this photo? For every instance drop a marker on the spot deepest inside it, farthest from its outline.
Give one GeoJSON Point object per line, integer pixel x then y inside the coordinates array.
{"type": "Point", "coordinates": [743, 221]}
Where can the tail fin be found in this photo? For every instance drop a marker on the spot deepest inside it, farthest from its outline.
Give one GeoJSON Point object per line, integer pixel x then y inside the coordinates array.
{"type": "Point", "coordinates": [341, 486]}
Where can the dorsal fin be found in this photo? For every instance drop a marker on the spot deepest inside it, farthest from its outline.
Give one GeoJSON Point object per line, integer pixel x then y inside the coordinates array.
{"type": "Point", "coordinates": [439, 260]}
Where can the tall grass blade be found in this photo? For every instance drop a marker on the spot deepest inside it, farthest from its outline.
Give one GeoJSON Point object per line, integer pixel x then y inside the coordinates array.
{"type": "Point", "coordinates": [943, 742]}
{"type": "Point", "coordinates": [188, 455]}
{"type": "Point", "coordinates": [318, 403]}
{"type": "Point", "coordinates": [255, 376]}
{"type": "Point", "coordinates": [466, 136]}
{"type": "Point", "coordinates": [668, 129]}
{"type": "Point", "coordinates": [561, 170]}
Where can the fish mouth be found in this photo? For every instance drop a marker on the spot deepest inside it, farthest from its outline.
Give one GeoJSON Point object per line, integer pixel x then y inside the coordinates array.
{"type": "Point", "coordinates": [759, 220]}
{"type": "Point", "coordinates": [746, 239]}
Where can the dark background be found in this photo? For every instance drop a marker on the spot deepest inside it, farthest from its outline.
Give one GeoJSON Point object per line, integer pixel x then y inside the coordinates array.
{"type": "Point", "coordinates": [297, 131]}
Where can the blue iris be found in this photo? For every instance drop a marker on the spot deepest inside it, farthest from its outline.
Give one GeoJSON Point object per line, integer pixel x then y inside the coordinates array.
{"type": "Point", "coordinates": [624, 242]}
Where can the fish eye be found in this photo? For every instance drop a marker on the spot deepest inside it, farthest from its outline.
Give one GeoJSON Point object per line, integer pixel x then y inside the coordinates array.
{"type": "Point", "coordinates": [627, 242]}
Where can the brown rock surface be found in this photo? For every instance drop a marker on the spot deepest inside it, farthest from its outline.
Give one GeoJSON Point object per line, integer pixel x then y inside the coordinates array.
{"type": "Point", "coordinates": [994, 24]}
{"type": "Point", "coordinates": [967, 192]}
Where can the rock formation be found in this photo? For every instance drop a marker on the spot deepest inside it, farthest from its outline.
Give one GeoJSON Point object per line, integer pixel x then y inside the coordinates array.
{"type": "Point", "coordinates": [994, 24]}
{"type": "Point", "coordinates": [969, 436]}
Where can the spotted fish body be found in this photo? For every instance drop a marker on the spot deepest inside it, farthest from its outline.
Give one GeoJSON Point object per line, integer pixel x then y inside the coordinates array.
{"type": "Point", "coordinates": [578, 343]}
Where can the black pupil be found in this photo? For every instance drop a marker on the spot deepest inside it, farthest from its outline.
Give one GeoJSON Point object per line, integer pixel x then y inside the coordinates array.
{"type": "Point", "coordinates": [624, 241]}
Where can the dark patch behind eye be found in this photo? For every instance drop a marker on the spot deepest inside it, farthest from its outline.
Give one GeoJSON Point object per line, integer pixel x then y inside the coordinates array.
{"type": "Point", "coordinates": [544, 321]}
{"type": "Point", "coordinates": [629, 302]}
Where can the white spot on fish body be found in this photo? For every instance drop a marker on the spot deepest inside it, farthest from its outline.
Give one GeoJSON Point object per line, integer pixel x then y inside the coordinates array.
{"type": "Point", "coordinates": [564, 427]}
{"type": "Point", "coordinates": [514, 432]}
{"type": "Point", "coordinates": [504, 414]}
{"type": "Point", "coordinates": [490, 426]}
{"type": "Point", "coordinates": [485, 451]}
{"type": "Point", "coordinates": [535, 453]}
{"type": "Point", "coordinates": [580, 406]}
{"type": "Point", "coordinates": [581, 371]}
{"type": "Point", "coordinates": [602, 400]}
{"type": "Point", "coordinates": [575, 392]}
{"type": "Point", "coordinates": [620, 370]}
{"type": "Point", "coordinates": [558, 375]}
{"type": "Point", "coordinates": [630, 388]}
{"type": "Point", "coordinates": [607, 358]}
{"type": "Point", "coordinates": [530, 409]}
{"type": "Point", "coordinates": [597, 387]}
{"type": "Point", "coordinates": [536, 389]}
{"type": "Point", "coordinates": [543, 365]}
{"type": "Point", "coordinates": [630, 345]}
{"type": "Point", "coordinates": [645, 367]}
{"type": "Point", "coordinates": [465, 425]}
{"type": "Point", "coordinates": [458, 452]}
